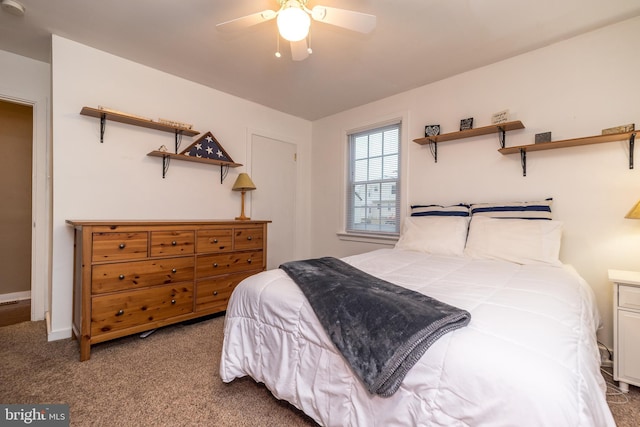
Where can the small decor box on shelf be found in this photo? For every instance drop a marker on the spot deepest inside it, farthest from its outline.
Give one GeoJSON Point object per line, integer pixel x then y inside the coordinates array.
{"type": "Point", "coordinates": [466, 124]}
{"type": "Point", "coordinates": [543, 137]}
{"type": "Point", "coordinates": [619, 129]}
{"type": "Point", "coordinates": [431, 130]}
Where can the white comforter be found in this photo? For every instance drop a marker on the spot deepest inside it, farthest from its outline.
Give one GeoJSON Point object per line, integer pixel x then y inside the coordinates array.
{"type": "Point", "coordinates": [528, 357]}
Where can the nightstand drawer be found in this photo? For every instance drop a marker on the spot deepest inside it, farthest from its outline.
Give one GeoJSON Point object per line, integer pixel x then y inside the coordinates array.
{"type": "Point", "coordinates": [119, 246]}
{"type": "Point", "coordinates": [165, 243]}
{"type": "Point", "coordinates": [124, 276]}
{"type": "Point", "coordinates": [215, 240]}
{"type": "Point", "coordinates": [629, 297]}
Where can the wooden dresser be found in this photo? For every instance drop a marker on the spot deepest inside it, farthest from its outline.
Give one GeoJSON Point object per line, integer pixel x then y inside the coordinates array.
{"type": "Point", "coordinates": [135, 276]}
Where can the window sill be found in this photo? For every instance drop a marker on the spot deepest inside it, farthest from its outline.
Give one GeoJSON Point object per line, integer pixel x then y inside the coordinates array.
{"type": "Point", "coordinates": [369, 238]}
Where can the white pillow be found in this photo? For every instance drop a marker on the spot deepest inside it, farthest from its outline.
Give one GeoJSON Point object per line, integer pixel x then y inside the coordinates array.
{"type": "Point", "coordinates": [442, 235]}
{"type": "Point", "coordinates": [523, 241]}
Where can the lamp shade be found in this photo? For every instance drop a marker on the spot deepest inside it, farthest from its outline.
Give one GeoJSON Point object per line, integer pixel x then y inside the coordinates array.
{"type": "Point", "coordinates": [634, 213]}
{"type": "Point", "coordinates": [243, 183]}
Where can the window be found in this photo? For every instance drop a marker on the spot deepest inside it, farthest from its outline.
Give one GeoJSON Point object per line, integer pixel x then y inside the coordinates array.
{"type": "Point", "coordinates": [373, 193]}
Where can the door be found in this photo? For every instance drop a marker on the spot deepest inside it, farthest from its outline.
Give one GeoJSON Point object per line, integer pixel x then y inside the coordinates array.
{"type": "Point", "coordinates": [273, 171]}
{"type": "Point", "coordinates": [16, 142]}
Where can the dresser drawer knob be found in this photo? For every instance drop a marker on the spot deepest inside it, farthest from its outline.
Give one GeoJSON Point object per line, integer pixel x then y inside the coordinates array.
{"type": "Point", "coordinates": [122, 246]}
{"type": "Point", "coordinates": [174, 243]}
{"type": "Point", "coordinates": [121, 277]}
{"type": "Point", "coordinates": [249, 238]}
{"type": "Point", "coordinates": [173, 270]}
{"type": "Point", "coordinates": [173, 301]}
{"type": "Point", "coordinates": [215, 293]}
{"type": "Point", "coordinates": [215, 240]}
{"type": "Point", "coordinates": [120, 313]}
{"type": "Point", "coordinates": [249, 260]}
{"type": "Point", "coordinates": [215, 265]}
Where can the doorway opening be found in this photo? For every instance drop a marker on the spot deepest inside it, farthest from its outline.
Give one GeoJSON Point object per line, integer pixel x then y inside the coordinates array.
{"type": "Point", "coordinates": [16, 141]}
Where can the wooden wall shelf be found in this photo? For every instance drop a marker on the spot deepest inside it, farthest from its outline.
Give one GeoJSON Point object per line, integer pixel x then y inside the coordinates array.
{"type": "Point", "coordinates": [597, 139]}
{"type": "Point", "coordinates": [500, 129]}
{"type": "Point", "coordinates": [166, 156]}
{"type": "Point", "coordinates": [105, 115]}
{"type": "Point", "coordinates": [192, 159]}
{"type": "Point", "coordinates": [575, 142]}
{"type": "Point", "coordinates": [485, 130]}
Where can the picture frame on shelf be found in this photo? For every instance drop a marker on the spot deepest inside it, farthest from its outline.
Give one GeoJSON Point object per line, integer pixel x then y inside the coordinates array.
{"type": "Point", "coordinates": [466, 124]}
{"type": "Point", "coordinates": [542, 137]}
{"type": "Point", "coordinates": [500, 117]}
{"type": "Point", "coordinates": [431, 130]}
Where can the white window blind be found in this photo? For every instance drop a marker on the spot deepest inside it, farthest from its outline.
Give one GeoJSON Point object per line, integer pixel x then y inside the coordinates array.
{"type": "Point", "coordinates": [373, 190]}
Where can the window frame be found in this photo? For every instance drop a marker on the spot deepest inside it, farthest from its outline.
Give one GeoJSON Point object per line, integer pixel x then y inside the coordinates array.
{"type": "Point", "coordinates": [350, 231]}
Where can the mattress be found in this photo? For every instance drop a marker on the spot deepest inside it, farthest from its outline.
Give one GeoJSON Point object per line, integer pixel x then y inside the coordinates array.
{"type": "Point", "coordinates": [528, 357]}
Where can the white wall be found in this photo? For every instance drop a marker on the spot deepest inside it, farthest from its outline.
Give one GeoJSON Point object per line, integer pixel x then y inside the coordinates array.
{"type": "Point", "coordinates": [26, 81]}
{"type": "Point", "coordinates": [116, 179]}
{"type": "Point", "coordinates": [573, 89]}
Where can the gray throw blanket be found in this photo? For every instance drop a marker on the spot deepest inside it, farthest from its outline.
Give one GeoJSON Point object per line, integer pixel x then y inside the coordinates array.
{"type": "Point", "coordinates": [380, 328]}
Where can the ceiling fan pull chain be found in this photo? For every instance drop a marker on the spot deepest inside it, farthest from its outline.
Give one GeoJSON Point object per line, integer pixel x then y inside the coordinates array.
{"type": "Point", "coordinates": [278, 54]}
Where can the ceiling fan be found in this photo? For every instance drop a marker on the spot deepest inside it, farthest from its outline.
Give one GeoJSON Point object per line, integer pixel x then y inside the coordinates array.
{"type": "Point", "coordinates": [294, 18]}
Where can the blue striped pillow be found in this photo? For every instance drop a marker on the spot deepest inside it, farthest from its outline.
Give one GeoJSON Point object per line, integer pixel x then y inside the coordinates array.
{"type": "Point", "coordinates": [438, 210]}
{"type": "Point", "coordinates": [521, 210]}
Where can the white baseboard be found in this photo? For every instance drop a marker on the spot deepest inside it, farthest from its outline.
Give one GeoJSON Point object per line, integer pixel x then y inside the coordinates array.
{"type": "Point", "coordinates": [15, 296]}
{"type": "Point", "coordinates": [60, 334]}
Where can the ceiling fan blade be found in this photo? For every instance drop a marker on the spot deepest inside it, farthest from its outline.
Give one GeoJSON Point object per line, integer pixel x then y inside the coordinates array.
{"type": "Point", "coordinates": [355, 21]}
{"type": "Point", "coordinates": [299, 50]}
{"type": "Point", "coordinates": [247, 21]}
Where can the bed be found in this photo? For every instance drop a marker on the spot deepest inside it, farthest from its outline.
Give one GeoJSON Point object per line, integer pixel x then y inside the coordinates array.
{"type": "Point", "coordinates": [528, 356]}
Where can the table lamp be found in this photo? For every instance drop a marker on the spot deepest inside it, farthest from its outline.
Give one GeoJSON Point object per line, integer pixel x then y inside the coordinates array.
{"type": "Point", "coordinates": [243, 183]}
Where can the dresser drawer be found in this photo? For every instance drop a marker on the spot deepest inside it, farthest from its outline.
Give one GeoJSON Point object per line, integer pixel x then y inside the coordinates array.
{"type": "Point", "coordinates": [248, 238]}
{"type": "Point", "coordinates": [118, 311]}
{"type": "Point", "coordinates": [119, 246]}
{"type": "Point", "coordinates": [629, 297]}
{"type": "Point", "coordinates": [217, 264]}
{"type": "Point", "coordinates": [214, 293]}
{"type": "Point", "coordinates": [164, 243]}
{"type": "Point", "coordinates": [139, 274]}
{"type": "Point", "coordinates": [215, 240]}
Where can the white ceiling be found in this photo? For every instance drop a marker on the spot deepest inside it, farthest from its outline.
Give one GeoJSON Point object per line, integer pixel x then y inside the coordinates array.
{"type": "Point", "coordinates": [416, 42]}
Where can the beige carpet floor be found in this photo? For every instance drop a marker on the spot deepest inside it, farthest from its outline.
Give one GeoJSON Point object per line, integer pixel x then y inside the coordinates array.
{"type": "Point", "coordinates": [168, 379]}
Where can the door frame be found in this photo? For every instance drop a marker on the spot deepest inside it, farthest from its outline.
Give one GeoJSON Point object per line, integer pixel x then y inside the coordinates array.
{"type": "Point", "coordinates": [40, 201]}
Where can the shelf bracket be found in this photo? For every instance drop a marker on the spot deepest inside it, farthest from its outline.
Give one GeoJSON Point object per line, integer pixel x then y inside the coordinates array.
{"type": "Point", "coordinates": [165, 165]}
{"type": "Point", "coordinates": [523, 161]}
{"type": "Point", "coordinates": [178, 140]}
{"type": "Point", "coordinates": [103, 123]}
{"type": "Point", "coordinates": [224, 170]}
{"type": "Point", "coordinates": [502, 136]}
{"type": "Point", "coordinates": [433, 146]}
{"type": "Point", "coordinates": [632, 140]}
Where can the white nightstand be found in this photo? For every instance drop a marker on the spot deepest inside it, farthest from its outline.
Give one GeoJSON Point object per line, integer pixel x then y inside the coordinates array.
{"type": "Point", "coordinates": [626, 327]}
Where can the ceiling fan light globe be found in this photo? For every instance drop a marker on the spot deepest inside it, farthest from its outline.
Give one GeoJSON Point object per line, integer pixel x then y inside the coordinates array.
{"type": "Point", "coordinates": [293, 24]}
